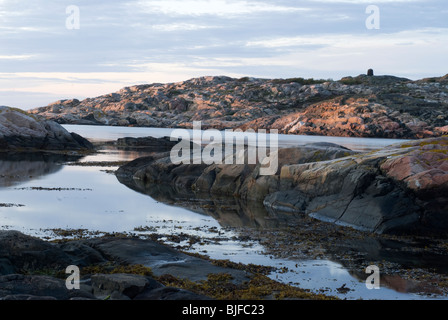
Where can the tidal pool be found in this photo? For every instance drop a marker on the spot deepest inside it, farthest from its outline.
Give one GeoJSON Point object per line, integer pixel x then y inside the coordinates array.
{"type": "Point", "coordinates": [41, 194]}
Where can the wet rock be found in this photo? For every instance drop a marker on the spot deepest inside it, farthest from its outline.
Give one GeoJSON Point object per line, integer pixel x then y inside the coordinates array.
{"type": "Point", "coordinates": [121, 286]}
{"type": "Point", "coordinates": [36, 287]}
{"type": "Point", "coordinates": [161, 259]}
{"type": "Point", "coordinates": [169, 293]}
{"type": "Point", "coordinates": [22, 256]}
{"type": "Point", "coordinates": [20, 252]}
{"type": "Point", "coordinates": [29, 297]}
{"type": "Point", "coordinates": [81, 254]}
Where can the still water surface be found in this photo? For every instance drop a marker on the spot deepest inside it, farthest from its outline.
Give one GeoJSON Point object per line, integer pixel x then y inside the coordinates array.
{"type": "Point", "coordinates": [43, 194]}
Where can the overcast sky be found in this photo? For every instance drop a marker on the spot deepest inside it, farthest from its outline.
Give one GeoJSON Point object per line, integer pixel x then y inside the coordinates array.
{"type": "Point", "coordinates": [46, 56]}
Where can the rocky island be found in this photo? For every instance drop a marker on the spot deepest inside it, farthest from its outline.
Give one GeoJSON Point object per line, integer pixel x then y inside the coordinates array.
{"type": "Point", "coordinates": [362, 106]}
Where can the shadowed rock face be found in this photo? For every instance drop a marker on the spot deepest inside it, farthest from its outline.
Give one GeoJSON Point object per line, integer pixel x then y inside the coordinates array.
{"type": "Point", "coordinates": [22, 131]}
{"type": "Point", "coordinates": [362, 106]}
{"type": "Point", "coordinates": [232, 194]}
{"type": "Point", "coordinates": [400, 189]}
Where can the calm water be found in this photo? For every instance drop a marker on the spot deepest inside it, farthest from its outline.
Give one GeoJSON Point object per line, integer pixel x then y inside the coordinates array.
{"type": "Point", "coordinates": [39, 194]}
{"type": "Point", "coordinates": [104, 133]}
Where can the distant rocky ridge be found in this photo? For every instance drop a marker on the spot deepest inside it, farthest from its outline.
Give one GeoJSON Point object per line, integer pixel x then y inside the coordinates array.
{"type": "Point", "coordinates": [20, 131]}
{"type": "Point", "coordinates": [362, 106]}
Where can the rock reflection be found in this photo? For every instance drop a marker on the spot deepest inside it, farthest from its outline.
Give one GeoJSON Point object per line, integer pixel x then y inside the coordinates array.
{"type": "Point", "coordinates": [401, 260]}
{"type": "Point", "coordinates": [228, 211]}
{"type": "Point", "coordinates": [406, 265]}
{"type": "Point", "coordinates": [16, 168]}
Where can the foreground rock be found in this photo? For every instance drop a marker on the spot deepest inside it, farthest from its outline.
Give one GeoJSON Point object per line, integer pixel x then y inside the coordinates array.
{"type": "Point", "coordinates": [20, 131]}
{"type": "Point", "coordinates": [400, 189]}
{"type": "Point", "coordinates": [363, 106]}
{"type": "Point", "coordinates": [127, 268]}
{"type": "Point", "coordinates": [23, 260]}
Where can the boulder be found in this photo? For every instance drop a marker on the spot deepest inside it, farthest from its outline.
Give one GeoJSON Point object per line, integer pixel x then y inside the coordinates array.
{"type": "Point", "coordinates": [121, 286]}
{"type": "Point", "coordinates": [22, 253]}
{"type": "Point", "coordinates": [37, 287]}
{"type": "Point", "coordinates": [23, 131]}
{"type": "Point", "coordinates": [170, 293]}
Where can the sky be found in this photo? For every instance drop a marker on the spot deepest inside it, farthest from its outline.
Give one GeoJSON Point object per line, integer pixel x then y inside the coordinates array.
{"type": "Point", "coordinates": [64, 49]}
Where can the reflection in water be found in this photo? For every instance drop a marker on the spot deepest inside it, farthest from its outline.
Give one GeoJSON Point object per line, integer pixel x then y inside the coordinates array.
{"type": "Point", "coordinates": [404, 255]}
{"type": "Point", "coordinates": [228, 211]}
{"type": "Point", "coordinates": [107, 133]}
{"type": "Point", "coordinates": [235, 212]}
{"type": "Point", "coordinates": [112, 153]}
{"type": "Point", "coordinates": [110, 206]}
{"type": "Point", "coordinates": [16, 168]}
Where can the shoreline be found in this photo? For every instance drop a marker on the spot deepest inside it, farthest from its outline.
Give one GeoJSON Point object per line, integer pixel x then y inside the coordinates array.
{"type": "Point", "coordinates": [271, 239]}
{"type": "Point", "coordinates": [115, 271]}
{"type": "Point", "coordinates": [280, 244]}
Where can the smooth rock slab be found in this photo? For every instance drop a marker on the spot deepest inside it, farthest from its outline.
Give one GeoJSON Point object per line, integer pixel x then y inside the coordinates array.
{"type": "Point", "coordinates": [20, 252]}
{"type": "Point", "coordinates": [170, 293]}
{"type": "Point", "coordinates": [121, 286]}
{"type": "Point", "coordinates": [161, 259]}
{"type": "Point", "coordinates": [37, 286]}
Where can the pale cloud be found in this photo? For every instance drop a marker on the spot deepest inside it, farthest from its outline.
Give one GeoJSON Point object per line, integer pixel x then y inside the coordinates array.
{"type": "Point", "coordinates": [403, 54]}
{"type": "Point", "coordinates": [365, 1]}
{"type": "Point", "coordinates": [221, 8]}
{"type": "Point", "coordinates": [18, 29]}
{"type": "Point", "coordinates": [421, 37]}
{"type": "Point", "coordinates": [181, 27]}
{"type": "Point", "coordinates": [91, 84]}
{"type": "Point", "coordinates": [16, 57]}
